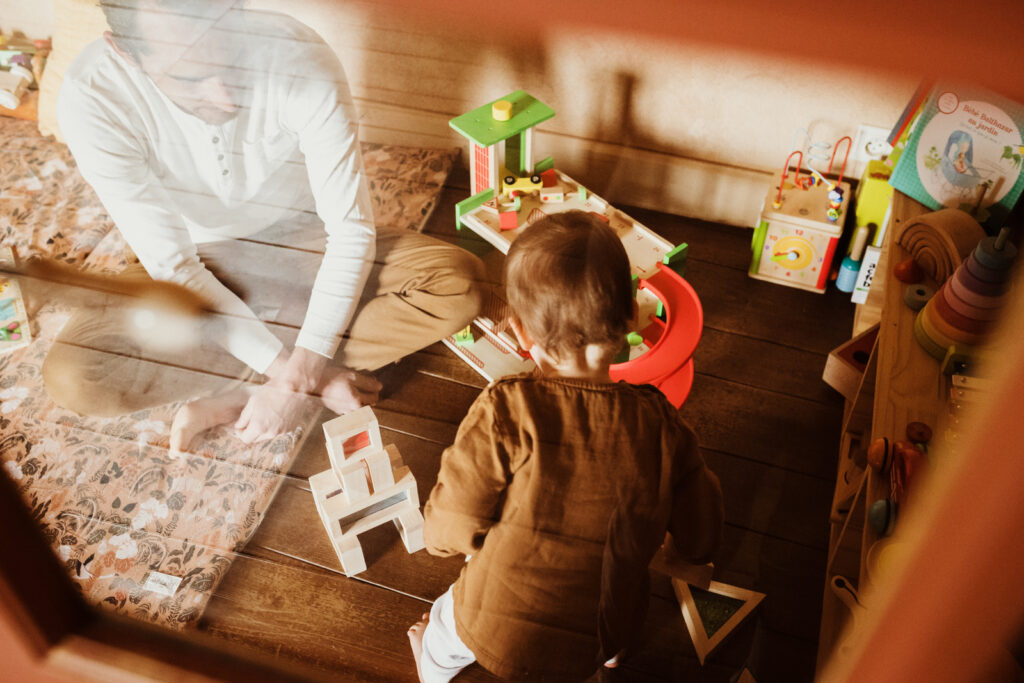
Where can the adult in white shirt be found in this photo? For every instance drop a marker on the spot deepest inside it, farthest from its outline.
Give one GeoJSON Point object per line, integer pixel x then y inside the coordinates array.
{"type": "Point", "coordinates": [223, 144]}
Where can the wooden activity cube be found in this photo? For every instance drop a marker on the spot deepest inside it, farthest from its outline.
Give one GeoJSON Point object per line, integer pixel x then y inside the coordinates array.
{"type": "Point", "coordinates": [366, 486]}
{"type": "Point", "coordinates": [795, 242]}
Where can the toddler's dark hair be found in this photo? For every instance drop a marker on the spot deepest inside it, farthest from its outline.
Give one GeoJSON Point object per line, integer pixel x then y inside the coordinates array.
{"type": "Point", "coordinates": [567, 279]}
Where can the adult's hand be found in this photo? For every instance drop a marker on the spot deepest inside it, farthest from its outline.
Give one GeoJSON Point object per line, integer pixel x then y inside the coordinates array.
{"type": "Point", "coordinates": [203, 413]}
{"type": "Point", "coordinates": [277, 406]}
{"type": "Point", "coordinates": [273, 409]}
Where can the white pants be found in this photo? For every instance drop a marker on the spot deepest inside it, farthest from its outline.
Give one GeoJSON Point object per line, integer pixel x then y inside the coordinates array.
{"type": "Point", "coordinates": [444, 654]}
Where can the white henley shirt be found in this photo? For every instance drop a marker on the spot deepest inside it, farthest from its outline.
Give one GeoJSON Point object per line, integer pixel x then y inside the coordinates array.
{"type": "Point", "coordinates": [170, 180]}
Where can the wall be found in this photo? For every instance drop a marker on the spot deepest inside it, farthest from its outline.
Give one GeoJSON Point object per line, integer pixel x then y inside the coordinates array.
{"type": "Point", "coordinates": [684, 127]}
{"type": "Point", "coordinates": [687, 128]}
{"type": "Point", "coordinates": [33, 18]}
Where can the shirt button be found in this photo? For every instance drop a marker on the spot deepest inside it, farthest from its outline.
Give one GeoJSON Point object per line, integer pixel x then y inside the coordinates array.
{"type": "Point", "coordinates": [220, 157]}
{"type": "Point", "coordinates": [216, 139]}
{"type": "Point", "coordinates": [224, 172]}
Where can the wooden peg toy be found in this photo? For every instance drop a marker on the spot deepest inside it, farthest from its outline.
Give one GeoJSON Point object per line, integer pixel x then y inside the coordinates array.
{"type": "Point", "coordinates": [882, 516]}
{"type": "Point", "coordinates": [880, 454]}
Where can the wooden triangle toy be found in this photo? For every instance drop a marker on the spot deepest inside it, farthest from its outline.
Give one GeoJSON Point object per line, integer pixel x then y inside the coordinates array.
{"type": "Point", "coordinates": [713, 614]}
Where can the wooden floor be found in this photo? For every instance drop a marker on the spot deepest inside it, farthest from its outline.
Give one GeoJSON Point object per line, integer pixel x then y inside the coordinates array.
{"type": "Point", "coordinates": [769, 427]}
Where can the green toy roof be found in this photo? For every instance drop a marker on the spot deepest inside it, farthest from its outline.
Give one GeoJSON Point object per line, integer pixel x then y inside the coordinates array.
{"type": "Point", "coordinates": [481, 127]}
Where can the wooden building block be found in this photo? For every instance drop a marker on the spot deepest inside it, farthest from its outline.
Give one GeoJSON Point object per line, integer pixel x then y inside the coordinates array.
{"type": "Point", "coordinates": [846, 363]}
{"type": "Point", "coordinates": [347, 506]}
{"type": "Point", "coordinates": [355, 485]}
{"type": "Point", "coordinates": [353, 435]}
{"type": "Point", "coordinates": [379, 468]}
{"type": "Point", "coordinates": [410, 528]}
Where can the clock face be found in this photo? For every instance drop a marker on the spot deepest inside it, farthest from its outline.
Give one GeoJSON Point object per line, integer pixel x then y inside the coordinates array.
{"type": "Point", "coordinates": [792, 252]}
{"type": "Point", "coordinates": [794, 255]}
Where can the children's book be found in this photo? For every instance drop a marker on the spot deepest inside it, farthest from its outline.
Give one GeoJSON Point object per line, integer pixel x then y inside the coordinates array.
{"type": "Point", "coordinates": [965, 152]}
{"type": "Point", "coordinates": [14, 332]}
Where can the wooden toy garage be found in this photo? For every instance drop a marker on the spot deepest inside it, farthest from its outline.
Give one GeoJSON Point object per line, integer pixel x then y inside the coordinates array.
{"type": "Point", "coordinates": [510, 192]}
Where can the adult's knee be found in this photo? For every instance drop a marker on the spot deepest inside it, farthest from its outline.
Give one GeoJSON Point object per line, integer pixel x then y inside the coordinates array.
{"type": "Point", "coordinates": [466, 277]}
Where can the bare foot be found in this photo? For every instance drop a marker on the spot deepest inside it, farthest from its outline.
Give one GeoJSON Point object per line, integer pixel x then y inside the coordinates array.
{"type": "Point", "coordinates": [202, 414]}
{"type": "Point", "coordinates": [344, 390]}
{"type": "Point", "coordinates": [416, 641]}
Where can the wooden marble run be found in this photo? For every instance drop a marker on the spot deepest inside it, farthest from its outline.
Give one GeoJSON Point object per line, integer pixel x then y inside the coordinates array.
{"type": "Point", "coordinates": [367, 485]}
{"type": "Point", "coordinates": [513, 192]}
{"type": "Point", "coordinates": [801, 224]}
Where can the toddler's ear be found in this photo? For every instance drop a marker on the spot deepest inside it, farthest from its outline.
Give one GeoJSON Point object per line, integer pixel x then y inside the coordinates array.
{"type": "Point", "coordinates": [522, 336]}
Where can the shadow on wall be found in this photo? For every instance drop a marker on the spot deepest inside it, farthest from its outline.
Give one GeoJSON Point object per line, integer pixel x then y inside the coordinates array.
{"type": "Point", "coordinates": [411, 74]}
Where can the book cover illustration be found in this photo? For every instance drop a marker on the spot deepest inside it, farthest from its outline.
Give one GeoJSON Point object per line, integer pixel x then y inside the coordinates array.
{"type": "Point", "coordinates": [14, 331]}
{"type": "Point", "coordinates": [965, 152]}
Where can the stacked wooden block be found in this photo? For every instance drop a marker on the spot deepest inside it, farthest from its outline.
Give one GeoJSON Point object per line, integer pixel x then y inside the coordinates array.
{"type": "Point", "coordinates": [367, 485]}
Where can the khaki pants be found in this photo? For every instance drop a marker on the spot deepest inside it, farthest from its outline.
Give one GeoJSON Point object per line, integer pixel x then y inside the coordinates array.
{"type": "Point", "coordinates": [419, 291]}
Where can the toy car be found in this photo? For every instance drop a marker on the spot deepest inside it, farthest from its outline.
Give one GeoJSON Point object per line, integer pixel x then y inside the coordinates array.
{"type": "Point", "coordinates": [513, 183]}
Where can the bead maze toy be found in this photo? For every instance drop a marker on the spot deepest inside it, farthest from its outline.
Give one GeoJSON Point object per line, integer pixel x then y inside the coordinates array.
{"type": "Point", "coordinates": [800, 225]}
{"type": "Point", "coordinates": [367, 485]}
{"type": "Point", "coordinates": [511, 194]}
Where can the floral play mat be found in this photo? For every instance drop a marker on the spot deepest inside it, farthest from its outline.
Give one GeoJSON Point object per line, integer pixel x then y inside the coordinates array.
{"type": "Point", "coordinates": [141, 532]}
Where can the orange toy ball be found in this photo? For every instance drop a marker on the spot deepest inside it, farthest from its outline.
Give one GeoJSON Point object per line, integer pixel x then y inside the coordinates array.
{"type": "Point", "coordinates": [908, 272]}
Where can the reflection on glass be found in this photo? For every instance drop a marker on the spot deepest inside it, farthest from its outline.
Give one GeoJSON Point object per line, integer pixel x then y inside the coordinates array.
{"type": "Point", "coordinates": [179, 359]}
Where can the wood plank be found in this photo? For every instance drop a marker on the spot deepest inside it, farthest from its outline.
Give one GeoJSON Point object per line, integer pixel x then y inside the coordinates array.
{"type": "Point", "coordinates": [427, 395]}
{"type": "Point", "coordinates": [787, 505]}
{"type": "Point", "coordinates": [763, 364]}
{"type": "Point", "coordinates": [765, 426]}
{"type": "Point", "coordinates": [736, 303]}
{"type": "Point", "coordinates": [789, 574]}
{"type": "Point", "coordinates": [331, 622]}
{"type": "Point", "coordinates": [720, 244]}
{"type": "Point", "coordinates": [440, 361]}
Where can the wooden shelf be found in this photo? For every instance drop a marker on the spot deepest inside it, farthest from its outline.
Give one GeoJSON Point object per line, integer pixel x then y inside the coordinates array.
{"type": "Point", "coordinates": [902, 384]}
{"type": "Point", "coordinates": [909, 385]}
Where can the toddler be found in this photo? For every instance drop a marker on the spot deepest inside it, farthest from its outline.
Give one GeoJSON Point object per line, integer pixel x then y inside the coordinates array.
{"type": "Point", "coordinates": [561, 484]}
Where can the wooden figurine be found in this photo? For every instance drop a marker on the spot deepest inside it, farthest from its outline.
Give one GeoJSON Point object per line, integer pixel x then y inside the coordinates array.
{"type": "Point", "coordinates": [367, 485]}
